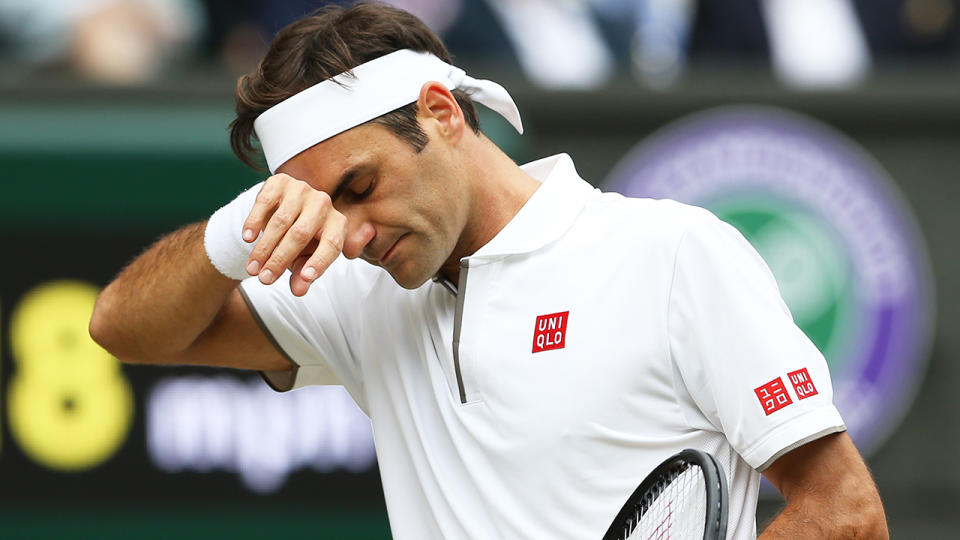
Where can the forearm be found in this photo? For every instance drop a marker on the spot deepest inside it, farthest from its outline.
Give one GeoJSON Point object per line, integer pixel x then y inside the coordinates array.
{"type": "Point", "coordinates": [173, 305]}
{"type": "Point", "coordinates": [829, 493]}
{"type": "Point", "coordinates": [827, 522]}
{"type": "Point", "coordinates": [794, 522]}
{"type": "Point", "coordinates": [159, 304]}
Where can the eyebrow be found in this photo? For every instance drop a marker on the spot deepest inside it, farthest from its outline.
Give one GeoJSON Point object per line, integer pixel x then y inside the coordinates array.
{"type": "Point", "coordinates": [346, 179]}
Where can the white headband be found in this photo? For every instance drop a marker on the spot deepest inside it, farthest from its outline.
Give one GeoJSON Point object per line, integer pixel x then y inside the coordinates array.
{"type": "Point", "coordinates": [375, 88]}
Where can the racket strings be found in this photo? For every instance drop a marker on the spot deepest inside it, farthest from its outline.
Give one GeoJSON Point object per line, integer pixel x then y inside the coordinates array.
{"type": "Point", "coordinates": [674, 507]}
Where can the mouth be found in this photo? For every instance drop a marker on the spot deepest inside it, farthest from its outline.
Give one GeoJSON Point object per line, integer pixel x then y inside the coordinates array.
{"type": "Point", "coordinates": [386, 257]}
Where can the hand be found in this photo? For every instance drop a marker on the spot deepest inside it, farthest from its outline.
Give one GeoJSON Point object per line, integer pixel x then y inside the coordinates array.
{"type": "Point", "coordinates": [301, 231]}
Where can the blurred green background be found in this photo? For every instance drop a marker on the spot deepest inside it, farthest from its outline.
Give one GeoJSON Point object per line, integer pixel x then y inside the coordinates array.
{"type": "Point", "coordinates": [90, 178]}
{"type": "Point", "coordinates": [113, 131]}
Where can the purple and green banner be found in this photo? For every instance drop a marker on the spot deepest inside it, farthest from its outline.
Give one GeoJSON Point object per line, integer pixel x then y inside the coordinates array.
{"type": "Point", "coordinates": [834, 229]}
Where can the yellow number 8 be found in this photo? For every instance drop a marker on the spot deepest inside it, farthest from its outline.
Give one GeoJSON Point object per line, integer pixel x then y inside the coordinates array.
{"type": "Point", "coordinates": [70, 406]}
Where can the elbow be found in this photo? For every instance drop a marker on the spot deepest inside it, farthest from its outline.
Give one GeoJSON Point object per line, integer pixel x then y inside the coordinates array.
{"type": "Point", "coordinates": [100, 327]}
{"type": "Point", "coordinates": [130, 339]}
{"type": "Point", "coordinates": [105, 329]}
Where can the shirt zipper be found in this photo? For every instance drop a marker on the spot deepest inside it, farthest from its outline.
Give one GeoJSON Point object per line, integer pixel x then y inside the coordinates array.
{"type": "Point", "coordinates": [458, 318]}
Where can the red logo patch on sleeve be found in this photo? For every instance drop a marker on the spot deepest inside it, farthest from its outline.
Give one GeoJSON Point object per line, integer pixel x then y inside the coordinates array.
{"type": "Point", "coordinates": [802, 384]}
{"type": "Point", "coordinates": [550, 331]}
{"type": "Point", "coordinates": [773, 396]}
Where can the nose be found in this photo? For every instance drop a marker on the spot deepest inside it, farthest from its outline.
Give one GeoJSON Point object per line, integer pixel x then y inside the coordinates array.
{"type": "Point", "coordinates": [360, 233]}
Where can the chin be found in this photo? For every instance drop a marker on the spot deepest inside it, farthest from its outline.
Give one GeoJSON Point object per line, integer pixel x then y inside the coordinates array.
{"type": "Point", "coordinates": [409, 280]}
{"type": "Point", "coordinates": [409, 284]}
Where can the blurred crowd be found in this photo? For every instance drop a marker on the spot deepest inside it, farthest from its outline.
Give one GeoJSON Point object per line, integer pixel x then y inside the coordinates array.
{"type": "Point", "coordinates": [556, 44]}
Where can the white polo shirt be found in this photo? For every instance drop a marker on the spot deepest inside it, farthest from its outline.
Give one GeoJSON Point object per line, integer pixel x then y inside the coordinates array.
{"type": "Point", "coordinates": [594, 336]}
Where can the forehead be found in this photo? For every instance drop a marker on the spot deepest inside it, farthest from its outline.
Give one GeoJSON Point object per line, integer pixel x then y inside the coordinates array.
{"type": "Point", "coordinates": [323, 164]}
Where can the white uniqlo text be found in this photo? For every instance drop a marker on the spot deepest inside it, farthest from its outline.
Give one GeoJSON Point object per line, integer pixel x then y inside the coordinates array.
{"type": "Point", "coordinates": [549, 331]}
{"type": "Point", "coordinates": [802, 384]}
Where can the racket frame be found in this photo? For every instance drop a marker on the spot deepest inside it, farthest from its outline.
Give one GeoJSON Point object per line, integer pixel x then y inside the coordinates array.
{"type": "Point", "coordinates": [715, 481]}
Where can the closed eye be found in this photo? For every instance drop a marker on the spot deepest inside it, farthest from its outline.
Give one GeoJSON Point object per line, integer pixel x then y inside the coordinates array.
{"type": "Point", "coordinates": [356, 183]}
{"type": "Point", "coordinates": [361, 189]}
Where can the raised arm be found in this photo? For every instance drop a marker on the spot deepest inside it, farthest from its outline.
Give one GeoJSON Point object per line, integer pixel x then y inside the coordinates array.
{"type": "Point", "coordinates": [171, 305]}
{"type": "Point", "coordinates": [829, 493]}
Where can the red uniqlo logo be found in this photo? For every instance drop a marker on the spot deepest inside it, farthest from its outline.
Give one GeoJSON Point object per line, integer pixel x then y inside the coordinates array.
{"type": "Point", "coordinates": [773, 396]}
{"type": "Point", "coordinates": [550, 331]}
{"type": "Point", "coordinates": [802, 384]}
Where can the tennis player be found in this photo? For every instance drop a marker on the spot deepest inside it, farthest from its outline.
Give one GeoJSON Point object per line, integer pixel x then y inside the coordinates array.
{"type": "Point", "coordinates": [527, 347]}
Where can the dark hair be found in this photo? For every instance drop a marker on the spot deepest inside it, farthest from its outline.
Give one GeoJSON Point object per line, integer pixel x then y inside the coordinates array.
{"type": "Point", "coordinates": [324, 44]}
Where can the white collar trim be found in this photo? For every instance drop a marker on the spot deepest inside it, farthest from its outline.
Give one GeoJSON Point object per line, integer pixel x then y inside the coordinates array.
{"type": "Point", "coordinates": [547, 215]}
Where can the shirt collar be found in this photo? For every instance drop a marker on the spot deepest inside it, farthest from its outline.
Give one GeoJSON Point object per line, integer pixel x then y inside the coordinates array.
{"type": "Point", "coordinates": [547, 215]}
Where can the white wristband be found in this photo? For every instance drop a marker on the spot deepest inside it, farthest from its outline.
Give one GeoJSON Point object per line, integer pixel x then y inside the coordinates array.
{"type": "Point", "coordinates": [223, 239]}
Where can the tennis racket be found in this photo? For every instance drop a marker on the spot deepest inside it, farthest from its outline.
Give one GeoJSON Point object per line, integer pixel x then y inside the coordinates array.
{"type": "Point", "coordinates": [685, 497]}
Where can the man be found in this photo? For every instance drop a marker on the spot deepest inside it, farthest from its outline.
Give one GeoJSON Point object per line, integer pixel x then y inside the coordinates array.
{"type": "Point", "coordinates": [526, 347]}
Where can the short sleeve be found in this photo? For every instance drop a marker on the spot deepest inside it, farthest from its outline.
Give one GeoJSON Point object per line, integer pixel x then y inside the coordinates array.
{"type": "Point", "coordinates": [752, 373]}
{"type": "Point", "coordinates": [311, 331]}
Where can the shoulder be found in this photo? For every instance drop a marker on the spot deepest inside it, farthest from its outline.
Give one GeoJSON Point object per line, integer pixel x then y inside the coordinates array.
{"type": "Point", "coordinates": [667, 213]}
{"type": "Point", "coordinates": [661, 221]}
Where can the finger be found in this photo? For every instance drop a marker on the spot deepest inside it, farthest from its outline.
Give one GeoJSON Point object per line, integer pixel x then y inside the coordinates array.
{"type": "Point", "coordinates": [297, 236]}
{"type": "Point", "coordinates": [328, 249]}
{"type": "Point", "coordinates": [264, 205]}
{"type": "Point", "coordinates": [276, 228]}
{"type": "Point", "coordinates": [298, 285]}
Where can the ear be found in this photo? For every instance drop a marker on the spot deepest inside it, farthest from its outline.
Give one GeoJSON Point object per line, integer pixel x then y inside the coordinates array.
{"type": "Point", "coordinates": [436, 103]}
